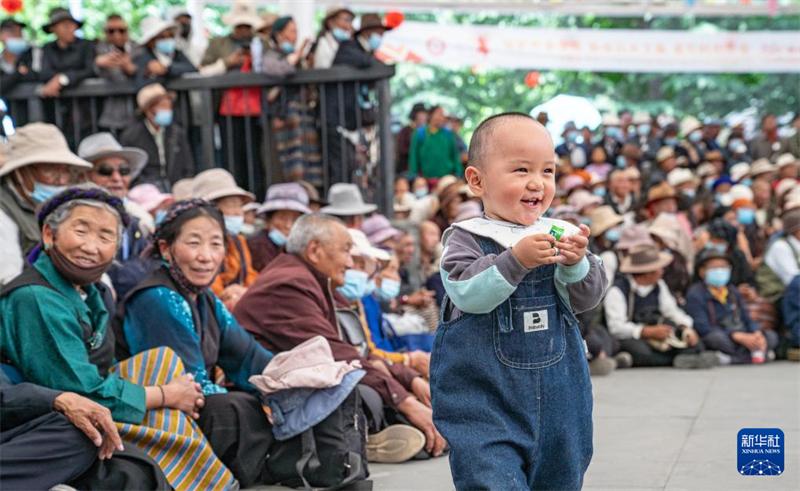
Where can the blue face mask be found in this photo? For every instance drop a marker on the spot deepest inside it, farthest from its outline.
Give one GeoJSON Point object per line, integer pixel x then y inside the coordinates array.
{"type": "Point", "coordinates": [709, 184]}
{"type": "Point", "coordinates": [160, 214]}
{"type": "Point", "coordinates": [163, 117]}
{"type": "Point", "coordinates": [689, 193]}
{"type": "Point", "coordinates": [16, 46]}
{"type": "Point", "coordinates": [747, 182]}
{"type": "Point", "coordinates": [43, 192]}
{"type": "Point", "coordinates": [340, 34]}
{"type": "Point", "coordinates": [718, 277]}
{"type": "Point", "coordinates": [388, 290]}
{"type": "Point", "coordinates": [622, 162]}
{"type": "Point", "coordinates": [599, 192]}
{"type": "Point", "coordinates": [572, 136]}
{"type": "Point", "coordinates": [375, 41]}
{"type": "Point", "coordinates": [165, 46]}
{"type": "Point", "coordinates": [643, 129]}
{"type": "Point", "coordinates": [745, 216]}
{"type": "Point", "coordinates": [277, 237]}
{"type": "Point", "coordinates": [371, 288]}
{"type": "Point", "coordinates": [614, 132]}
{"type": "Point", "coordinates": [287, 47]}
{"type": "Point", "coordinates": [233, 224]}
{"type": "Point", "coordinates": [420, 193]}
{"type": "Point", "coordinates": [613, 235]}
{"type": "Point", "coordinates": [695, 136]}
{"type": "Point", "coordinates": [356, 284]}
{"type": "Point", "coordinates": [723, 248]}
{"type": "Point", "coordinates": [671, 141]}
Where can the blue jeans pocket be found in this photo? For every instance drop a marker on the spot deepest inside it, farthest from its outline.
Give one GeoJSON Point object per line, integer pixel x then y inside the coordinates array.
{"type": "Point", "coordinates": [529, 332]}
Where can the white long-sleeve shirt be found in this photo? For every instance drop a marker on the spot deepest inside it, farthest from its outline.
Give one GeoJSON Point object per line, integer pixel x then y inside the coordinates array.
{"type": "Point", "coordinates": [11, 260]}
{"type": "Point", "coordinates": [781, 259]}
{"type": "Point", "coordinates": [616, 307]}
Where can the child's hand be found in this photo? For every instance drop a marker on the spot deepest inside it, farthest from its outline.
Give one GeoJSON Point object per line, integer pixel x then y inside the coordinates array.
{"type": "Point", "coordinates": [573, 248]}
{"type": "Point", "coordinates": [536, 250]}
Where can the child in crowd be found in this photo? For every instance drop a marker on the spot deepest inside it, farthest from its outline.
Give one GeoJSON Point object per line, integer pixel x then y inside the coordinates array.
{"type": "Point", "coordinates": [509, 376]}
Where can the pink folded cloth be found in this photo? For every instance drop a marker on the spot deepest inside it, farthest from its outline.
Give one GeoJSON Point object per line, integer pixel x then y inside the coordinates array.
{"type": "Point", "coordinates": [309, 365]}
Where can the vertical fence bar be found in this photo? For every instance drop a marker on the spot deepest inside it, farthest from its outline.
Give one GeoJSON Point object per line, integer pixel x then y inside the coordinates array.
{"type": "Point", "coordinates": [266, 146]}
{"type": "Point", "coordinates": [248, 140]}
{"type": "Point", "coordinates": [76, 122]}
{"type": "Point", "coordinates": [35, 108]}
{"type": "Point", "coordinates": [343, 144]}
{"type": "Point", "coordinates": [59, 117]}
{"type": "Point", "coordinates": [93, 113]}
{"type": "Point", "coordinates": [228, 134]}
{"type": "Point", "coordinates": [207, 128]}
{"type": "Point", "coordinates": [323, 113]}
{"type": "Point", "coordinates": [386, 182]}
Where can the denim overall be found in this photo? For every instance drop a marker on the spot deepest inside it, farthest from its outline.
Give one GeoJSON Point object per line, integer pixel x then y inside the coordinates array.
{"type": "Point", "coordinates": [511, 391]}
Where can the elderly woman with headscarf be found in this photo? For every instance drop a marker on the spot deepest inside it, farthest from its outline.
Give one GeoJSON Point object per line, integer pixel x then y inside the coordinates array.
{"type": "Point", "coordinates": [173, 306]}
{"type": "Point", "coordinates": [55, 332]}
{"type": "Point", "coordinates": [293, 122]}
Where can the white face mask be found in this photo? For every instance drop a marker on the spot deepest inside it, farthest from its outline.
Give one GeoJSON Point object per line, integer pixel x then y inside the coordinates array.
{"type": "Point", "coordinates": [643, 290]}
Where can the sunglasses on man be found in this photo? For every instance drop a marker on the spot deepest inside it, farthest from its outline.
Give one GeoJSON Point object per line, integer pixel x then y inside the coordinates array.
{"type": "Point", "coordinates": [106, 170]}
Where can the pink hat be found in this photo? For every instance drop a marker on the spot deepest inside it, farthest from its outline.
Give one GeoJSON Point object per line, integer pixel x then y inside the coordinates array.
{"type": "Point", "coordinates": [634, 236]}
{"type": "Point", "coordinates": [583, 199]}
{"type": "Point", "coordinates": [379, 230]}
{"type": "Point", "coordinates": [148, 196]}
{"type": "Point", "coordinates": [468, 209]}
{"type": "Point", "coordinates": [573, 181]}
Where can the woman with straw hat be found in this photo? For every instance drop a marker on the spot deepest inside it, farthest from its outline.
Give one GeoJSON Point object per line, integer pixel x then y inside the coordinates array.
{"type": "Point", "coordinates": [35, 165]}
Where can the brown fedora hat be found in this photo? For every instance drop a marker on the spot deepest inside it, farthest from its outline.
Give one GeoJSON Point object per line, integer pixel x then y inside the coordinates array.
{"type": "Point", "coordinates": [645, 259]}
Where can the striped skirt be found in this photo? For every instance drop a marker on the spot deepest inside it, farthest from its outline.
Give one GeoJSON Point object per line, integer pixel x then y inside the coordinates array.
{"type": "Point", "coordinates": [169, 436]}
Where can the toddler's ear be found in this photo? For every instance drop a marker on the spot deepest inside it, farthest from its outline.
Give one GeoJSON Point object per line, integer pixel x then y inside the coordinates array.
{"type": "Point", "coordinates": [474, 177]}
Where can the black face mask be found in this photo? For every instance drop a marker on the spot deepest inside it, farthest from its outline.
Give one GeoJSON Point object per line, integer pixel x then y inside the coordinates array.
{"type": "Point", "coordinates": [185, 29]}
{"type": "Point", "coordinates": [75, 274]}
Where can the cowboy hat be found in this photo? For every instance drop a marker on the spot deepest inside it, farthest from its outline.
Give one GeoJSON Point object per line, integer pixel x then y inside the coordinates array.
{"type": "Point", "coordinates": [371, 21]}
{"type": "Point", "coordinates": [633, 237]}
{"type": "Point", "coordinates": [57, 15]}
{"type": "Point", "coordinates": [363, 247]}
{"type": "Point", "coordinates": [243, 12]}
{"type": "Point", "coordinates": [690, 124]}
{"type": "Point", "coordinates": [739, 171]}
{"type": "Point", "coordinates": [761, 166]}
{"type": "Point", "coordinates": [335, 9]}
{"type": "Point", "coordinates": [378, 229]}
{"type": "Point", "coordinates": [40, 143]}
{"type": "Point", "coordinates": [784, 160]}
{"type": "Point", "coordinates": [680, 176]}
{"type": "Point", "coordinates": [102, 145]}
{"type": "Point", "coordinates": [664, 153]}
{"type": "Point", "coordinates": [345, 200]}
{"type": "Point", "coordinates": [214, 184]}
{"type": "Point", "coordinates": [182, 189]}
{"type": "Point", "coordinates": [645, 259]}
{"type": "Point", "coordinates": [151, 27]}
{"type": "Point", "coordinates": [313, 193]}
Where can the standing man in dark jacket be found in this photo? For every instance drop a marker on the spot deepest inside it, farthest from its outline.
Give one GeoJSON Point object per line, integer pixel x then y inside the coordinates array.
{"type": "Point", "coordinates": [16, 61]}
{"type": "Point", "coordinates": [158, 60]}
{"type": "Point", "coordinates": [358, 52]}
{"type": "Point", "coordinates": [167, 147]}
{"type": "Point", "coordinates": [115, 64]}
{"type": "Point", "coordinates": [301, 287]}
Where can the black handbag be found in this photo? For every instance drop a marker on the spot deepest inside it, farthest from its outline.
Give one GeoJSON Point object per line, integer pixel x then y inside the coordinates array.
{"type": "Point", "coordinates": [330, 456]}
{"type": "Point", "coordinates": [352, 330]}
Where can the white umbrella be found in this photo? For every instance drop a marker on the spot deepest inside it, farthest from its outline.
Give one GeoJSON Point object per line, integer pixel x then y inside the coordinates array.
{"type": "Point", "coordinates": [562, 109]}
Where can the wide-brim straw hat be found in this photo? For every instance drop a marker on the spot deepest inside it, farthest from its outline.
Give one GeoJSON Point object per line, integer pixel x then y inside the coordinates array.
{"type": "Point", "coordinates": [289, 196]}
{"type": "Point", "coordinates": [761, 166]}
{"type": "Point", "coordinates": [784, 160]}
{"type": "Point", "coordinates": [40, 143]}
{"type": "Point", "coordinates": [690, 124]}
{"type": "Point", "coordinates": [604, 218]}
{"type": "Point", "coordinates": [664, 153]}
{"type": "Point", "coordinates": [680, 176]}
{"type": "Point", "coordinates": [645, 259]}
{"type": "Point", "coordinates": [739, 171]}
{"type": "Point", "coordinates": [659, 192]}
{"type": "Point", "coordinates": [243, 12]}
{"type": "Point", "coordinates": [151, 94]}
{"type": "Point", "coordinates": [214, 184]}
{"type": "Point", "coordinates": [103, 145]}
{"type": "Point", "coordinates": [151, 27]}
{"type": "Point", "coordinates": [57, 15]}
{"type": "Point", "coordinates": [345, 200]}
{"type": "Point", "coordinates": [182, 189]}
{"type": "Point", "coordinates": [634, 236]}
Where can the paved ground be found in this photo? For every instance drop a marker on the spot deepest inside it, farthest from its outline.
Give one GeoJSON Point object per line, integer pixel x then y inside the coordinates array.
{"type": "Point", "coordinates": [661, 429]}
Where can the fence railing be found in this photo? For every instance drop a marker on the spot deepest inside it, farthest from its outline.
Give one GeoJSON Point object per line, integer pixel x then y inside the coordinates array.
{"type": "Point", "coordinates": [342, 113]}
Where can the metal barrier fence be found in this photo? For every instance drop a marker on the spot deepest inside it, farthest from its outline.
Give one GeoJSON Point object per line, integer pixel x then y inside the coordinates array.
{"type": "Point", "coordinates": [346, 109]}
